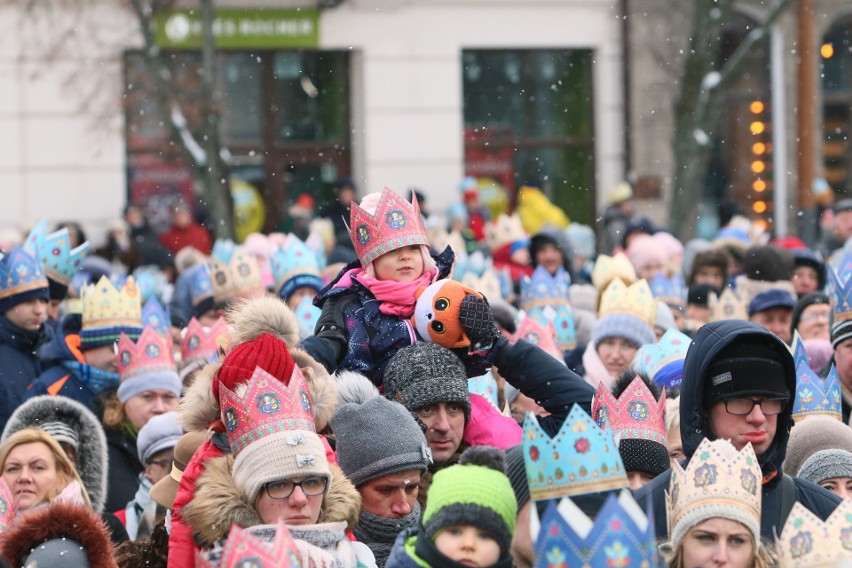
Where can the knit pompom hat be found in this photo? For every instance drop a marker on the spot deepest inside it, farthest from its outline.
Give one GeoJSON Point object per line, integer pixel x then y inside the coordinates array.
{"type": "Point", "coordinates": [645, 251]}
{"type": "Point", "coordinates": [827, 464]}
{"type": "Point", "coordinates": [266, 351]}
{"type": "Point", "coordinates": [475, 492]}
{"type": "Point", "coordinates": [626, 326]}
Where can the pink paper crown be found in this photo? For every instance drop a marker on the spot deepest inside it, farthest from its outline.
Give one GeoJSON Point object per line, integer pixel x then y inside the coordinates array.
{"type": "Point", "coordinates": [635, 415]}
{"type": "Point", "coordinates": [269, 406]}
{"type": "Point", "coordinates": [543, 337]}
{"type": "Point", "coordinates": [395, 224]}
{"type": "Point", "coordinates": [203, 343]}
{"type": "Point", "coordinates": [151, 353]}
{"type": "Point", "coordinates": [8, 508]}
{"type": "Point", "coordinates": [244, 549]}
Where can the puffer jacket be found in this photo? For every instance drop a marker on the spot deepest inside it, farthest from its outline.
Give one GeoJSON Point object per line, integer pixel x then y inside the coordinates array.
{"type": "Point", "coordinates": [19, 367]}
{"type": "Point", "coordinates": [706, 345]}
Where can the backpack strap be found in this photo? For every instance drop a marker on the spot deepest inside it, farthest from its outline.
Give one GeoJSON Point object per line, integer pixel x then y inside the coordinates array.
{"type": "Point", "coordinates": [788, 497]}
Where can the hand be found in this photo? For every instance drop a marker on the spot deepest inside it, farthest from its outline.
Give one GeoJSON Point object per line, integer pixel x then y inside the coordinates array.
{"type": "Point", "coordinates": [478, 322]}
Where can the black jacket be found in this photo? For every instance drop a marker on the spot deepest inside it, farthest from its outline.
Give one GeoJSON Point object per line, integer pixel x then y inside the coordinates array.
{"type": "Point", "coordinates": [18, 365]}
{"type": "Point", "coordinates": [706, 345]}
{"type": "Point", "coordinates": [124, 470]}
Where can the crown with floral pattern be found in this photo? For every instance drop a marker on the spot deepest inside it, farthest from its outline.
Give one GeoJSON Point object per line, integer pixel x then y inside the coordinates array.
{"type": "Point", "coordinates": [581, 458]}
{"type": "Point", "coordinates": [154, 315]}
{"type": "Point", "coordinates": [307, 314]}
{"type": "Point", "coordinates": [729, 305]}
{"type": "Point", "coordinates": [21, 273]}
{"type": "Point", "coordinates": [654, 357]}
{"type": "Point", "coordinates": [151, 353]}
{"type": "Point", "coordinates": [540, 335]}
{"type": "Point", "coordinates": [8, 506]}
{"type": "Point", "coordinates": [295, 259]}
{"type": "Point", "coordinates": [109, 311]}
{"type": "Point", "coordinates": [244, 550]}
{"type": "Point", "coordinates": [488, 284]}
{"type": "Point", "coordinates": [560, 318]}
{"type": "Point", "coordinates": [635, 415]}
{"type": "Point", "coordinates": [230, 278]}
{"type": "Point", "coordinates": [840, 293]}
{"type": "Point", "coordinates": [807, 542]}
{"type": "Point", "coordinates": [814, 396]}
{"type": "Point", "coordinates": [718, 475]}
{"type": "Point", "coordinates": [608, 268]}
{"type": "Point", "coordinates": [621, 535]}
{"type": "Point", "coordinates": [202, 343]}
{"type": "Point", "coordinates": [800, 354]}
{"type": "Point", "coordinates": [54, 251]}
{"type": "Point", "coordinates": [635, 300]}
{"type": "Point", "coordinates": [486, 387]}
{"type": "Point", "coordinates": [543, 289]}
{"type": "Point", "coordinates": [396, 223]}
{"type": "Point", "coordinates": [669, 290]}
{"type": "Point", "coordinates": [268, 406]}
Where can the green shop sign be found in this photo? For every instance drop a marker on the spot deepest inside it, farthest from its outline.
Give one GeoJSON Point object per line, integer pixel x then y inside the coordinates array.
{"type": "Point", "coordinates": [240, 29]}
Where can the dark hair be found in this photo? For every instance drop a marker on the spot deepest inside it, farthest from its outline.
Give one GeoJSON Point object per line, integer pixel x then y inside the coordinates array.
{"type": "Point", "coordinates": [714, 258]}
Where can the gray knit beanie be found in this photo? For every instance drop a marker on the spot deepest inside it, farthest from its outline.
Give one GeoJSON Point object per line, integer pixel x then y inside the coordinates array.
{"type": "Point", "coordinates": [827, 464]}
{"type": "Point", "coordinates": [625, 326]}
{"type": "Point", "coordinates": [813, 434]}
{"type": "Point", "coordinates": [362, 456]}
{"type": "Point", "coordinates": [426, 373]}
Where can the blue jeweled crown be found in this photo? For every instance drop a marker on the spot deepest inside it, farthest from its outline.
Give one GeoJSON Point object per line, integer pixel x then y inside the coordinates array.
{"type": "Point", "coordinates": [840, 293]}
{"type": "Point", "coordinates": [669, 290]}
{"type": "Point", "coordinates": [21, 273]}
{"type": "Point", "coordinates": [815, 396]}
{"type": "Point", "coordinates": [800, 355]}
{"type": "Point", "coordinates": [155, 316]}
{"type": "Point", "coordinates": [581, 458]}
{"type": "Point", "coordinates": [621, 535]}
{"type": "Point", "coordinates": [664, 358]}
{"type": "Point", "coordinates": [562, 319]}
{"type": "Point", "coordinates": [54, 250]}
{"type": "Point", "coordinates": [307, 314]}
{"type": "Point", "coordinates": [295, 259]}
{"type": "Point", "coordinates": [200, 285]}
{"type": "Point", "coordinates": [543, 289]}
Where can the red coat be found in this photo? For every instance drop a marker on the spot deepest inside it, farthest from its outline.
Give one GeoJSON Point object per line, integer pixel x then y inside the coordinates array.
{"type": "Point", "coordinates": [193, 235]}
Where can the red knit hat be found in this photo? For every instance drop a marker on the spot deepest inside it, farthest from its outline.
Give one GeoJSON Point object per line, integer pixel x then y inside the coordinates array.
{"type": "Point", "coordinates": [267, 352]}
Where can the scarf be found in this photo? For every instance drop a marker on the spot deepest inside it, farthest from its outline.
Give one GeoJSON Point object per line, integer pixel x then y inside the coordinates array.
{"type": "Point", "coordinates": [323, 545]}
{"type": "Point", "coordinates": [397, 298]}
{"type": "Point", "coordinates": [96, 380]}
{"type": "Point", "coordinates": [596, 371]}
{"type": "Point", "coordinates": [136, 509]}
{"type": "Point", "coordinates": [379, 533]}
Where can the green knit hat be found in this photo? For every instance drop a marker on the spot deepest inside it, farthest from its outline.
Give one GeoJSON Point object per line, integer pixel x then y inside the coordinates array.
{"type": "Point", "coordinates": [475, 492]}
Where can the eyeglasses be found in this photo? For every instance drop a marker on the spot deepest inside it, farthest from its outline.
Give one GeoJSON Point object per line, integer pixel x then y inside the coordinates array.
{"type": "Point", "coordinates": [162, 462]}
{"type": "Point", "coordinates": [744, 406]}
{"type": "Point", "coordinates": [814, 316]}
{"type": "Point", "coordinates": [283, 489]}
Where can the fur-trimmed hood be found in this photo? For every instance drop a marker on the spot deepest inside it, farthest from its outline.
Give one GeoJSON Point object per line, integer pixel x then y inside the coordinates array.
{"type": "Point", "coordinates": [248, 320]}
{"type": "Point", "coordinates": [92, 459]}
{"type": "Point", "coordinates": [220, 503]}
{"type": "Point", "coordinates": [56, 521]}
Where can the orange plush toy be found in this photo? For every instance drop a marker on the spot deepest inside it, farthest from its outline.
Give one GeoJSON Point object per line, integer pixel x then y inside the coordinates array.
{"type": "Point", "coordinates": [440, 309]}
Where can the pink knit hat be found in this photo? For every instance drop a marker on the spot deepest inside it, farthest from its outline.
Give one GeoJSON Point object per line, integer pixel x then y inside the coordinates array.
{"type": "Point", "coordinates": [645, 250]}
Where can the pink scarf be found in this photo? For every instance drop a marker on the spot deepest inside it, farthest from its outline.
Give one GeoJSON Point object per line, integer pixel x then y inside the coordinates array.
{"type": "Point", "coordinates": [397, 298]}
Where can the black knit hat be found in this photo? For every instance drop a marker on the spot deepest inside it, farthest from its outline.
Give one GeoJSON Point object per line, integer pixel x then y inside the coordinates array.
{"type": "Point", "coordinates": [811, 259]}
{"type": "Point", "coordinates": [768, 263]}
{"type": "Point", "coordinates": [748, 367]}
{"type": "Point", "coordinates": [646, 456]}
{"type": "Point", "coordinates": [804, 302]}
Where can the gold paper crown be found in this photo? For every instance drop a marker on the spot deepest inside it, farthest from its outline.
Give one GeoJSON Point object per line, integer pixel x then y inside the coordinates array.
{"type": "Point", "coordinates": [488, 285]}
{"type": "Point", "coordinates": [608, 268]}
{"type": "Point", "coordinates": [717, 481]}
{"type": "Point", "coordinates": [806, 541]}
{"type": "Point", "coordinates": [235, 279]}
{"type": "Point", "coordinates": [727, 306]}
{"type": "Point", "coordinates": [506, 229]}
{"type": "Point", "coordinates": [104, 305]}
{"type": "Point", "coordinates": [635, 300]}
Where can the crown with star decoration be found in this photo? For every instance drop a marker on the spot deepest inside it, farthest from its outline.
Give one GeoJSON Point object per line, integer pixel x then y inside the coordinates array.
{"type": "Point", "coordinates": [151, 353]}
{"type": "Point", "coordinates": [815, 397]}
{"type": "Point", "coordinates": [581, 458]}
{"type": "Point", "coordinates": [21, 273]}
{"type": "Point", "coordinates": [242, 549]}
{"type": "Point", "coordinates": [608, 268]}
{"type": "Point", "coordinates": [200, 343]}
{"type": "Point", "coordinates": [396, 223]}
{"type": "Point", "coordinates": [671, 290]}
{"type": "Point", "coordinates": [539, 335]}
{"type": "Point", "coordinates": [109, 311]}
{"type": "Point", "coordinates": [232, 277]}
{"type": "Point", "coordinates": [560, 318]}
{"type": "Point", "coordinates": [635, 415]}
{"type": "Point", "coordinates": [653, 358]}
{"type": "Point", "coordinates": [807, 542]}
{"type": "Point", "coordinates": [840, 294]}
{"type": "Point", "coordinates": [268, 407]}
{"type": "Point", "coordinates": [716, 475]}
{"type": "Point", "coordinates": [621, 535]}
{"type": "Point", "coordinates": [635, 300]}
{"type": "Point", "coordinates": [295, 259]}
{"type": "Point", "coordinates": [545, 289]}
{"type": "Point", "coordinates": [728, 305]}
{"type": "Point", "coordinates": [54, 251]}
{"type": "Point", "coordinates": [8, 506]}
{"type": "Point", "coordinates": [154, 315]}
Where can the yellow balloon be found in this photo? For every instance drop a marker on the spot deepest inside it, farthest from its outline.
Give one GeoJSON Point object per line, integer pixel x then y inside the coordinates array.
{"type": "Point", "coordinates": [249, 209]}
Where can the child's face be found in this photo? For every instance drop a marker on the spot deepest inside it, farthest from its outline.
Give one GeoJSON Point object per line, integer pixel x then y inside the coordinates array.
{"type": "Point", "coordinates": [298, 295]}
{"type": "Point", "coordinates": [401, 265]}
{"type": "Point", "coordinates": [468, 545]}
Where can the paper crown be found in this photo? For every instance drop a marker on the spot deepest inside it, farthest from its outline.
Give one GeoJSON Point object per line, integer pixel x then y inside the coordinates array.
{"type": "Point", "coordinates": [396, 223]}
{"type": "Point", "coordinates": [608, 268]}
{"type": "Point", "coordinates": [506, 229]}
{"type": "Point", "coordinates": [244, 550]}
{"type": "Point", "coordinates": [543, 289]}
{"type": "Point", "coordinates": [223, 250]}
{"type": "Point", "coordinates": [561, 319]}
{"type": "Point", "coordinates": [108, 311]}
{"type": "Point", "coordinates": [486, 387]}
{"type": "Point", "coordinates": [200, 283]}
{"type": "Point", "coordinates": [268, 406]}
{"type": "Point", "coordinates": [621, 535]}
{"type": "Point", "coordinates": [488, 284]}
{"type": "Point", "coordinates": [716, 475]}
{"type": "Point", "coordinates": [669, 290]}
{"type": "Point", "coordinates": [540, 335]}
{"type": "Point", "coordinates": [807, 542]}
{"type": "Point", "coordinates": [307, 314]}
{"type": "Point", "coordinates": [230, 279]}
{"type": "Point", "coordinates": [156, 317]}
{"type": "Point", "coordinates": [475, 263]}
{"type": "Point", "coordinates": [815, 397]}
{"type": "Point", "coordinates": [581, 458]}
{"type": "Point", "coordinates": [651, 358]}
{"type": "Point", "coordinates": [151, 353]}
{"type": "Point", "coordinates": [297, 258]}
{"type": "Point", "coordinates": [635, 415]}
{"type": "Point", "coordinates": [8, 508]}
{"type": "Point", "coordinates": [729, 305]}
{"type": "Point", "coordinates": [840, 294]}
{"type": "Point", "coordinates": [635, 300]}
{"type": "Point", "coordinates": [201, 343]}
{"type": "Point", "coordinates": [54, 251]}
{"type": "Point", "coordinates": [800, 355]}
{"type": "Point", "coordinates": [20, 273]}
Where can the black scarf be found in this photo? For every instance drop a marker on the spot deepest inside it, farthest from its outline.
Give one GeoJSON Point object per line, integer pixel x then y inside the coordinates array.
{"type": "Point", "coordinates": [379, 533]}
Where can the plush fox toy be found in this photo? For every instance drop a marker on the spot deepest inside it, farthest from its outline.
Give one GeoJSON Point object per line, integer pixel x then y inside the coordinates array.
{"type": "Point", "coordinates": [443, 311]}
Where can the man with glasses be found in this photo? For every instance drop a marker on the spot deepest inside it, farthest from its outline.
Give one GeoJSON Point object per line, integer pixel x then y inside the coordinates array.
{"type": "Point", "coordinates": [738, 384]}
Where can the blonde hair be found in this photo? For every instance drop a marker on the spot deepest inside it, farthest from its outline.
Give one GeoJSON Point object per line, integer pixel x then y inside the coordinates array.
{"type": "Point", "coordinates": [64, 467]}
{"type": "Point", "coordinates": [672, 413]}
{"type": "Point", "coordinates": [114, 415]}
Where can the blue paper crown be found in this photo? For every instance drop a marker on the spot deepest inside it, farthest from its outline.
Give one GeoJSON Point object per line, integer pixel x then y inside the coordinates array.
{"type": "Point", "coordinates": [223, 250]}
{"type": "Point", "coordinates": [669, 290]}
{"type": "Point", "coordinates": [814, 396]}
{"type": "Point", "coordinates": [663, 361]}
{"type": "Point", "coordinates": [21, 277]}
{"type": "Point", "coordinates": [621, 535]}
{"type": "Point", "coordinates": [200, 285]}
{"type": "Point", "coordinates": [295, 260]}
{"type": "Point", "coordinates": [840, 293]}
{"type": "Point", "coordinates": [486, 387]}
{"type": "Point", "coordinates": [152, 282]}
{"type": "Point", "coordinates": [156, 317]}
{"type": "Point", "coordinates": [562, 318]}
{"type": "Point", "coordinates": [544, 289]}
{"type": "Point", "coordinates": [581, 458]}
{"type": "Point", "coordinates": [800, 355]}
{"type": "Point", "coordinates": [307, 314]}
{"type": "Point", "coordinates": [54, 250]}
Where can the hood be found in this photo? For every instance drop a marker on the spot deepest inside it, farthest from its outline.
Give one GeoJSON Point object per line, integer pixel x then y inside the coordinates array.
{"type": "Point", "coordinates": [92, 459]}
{"type": "Point", "coordinates": [56, 349]}
{"type": "Point", "coordinates": [219, 503]}
{"type": "Point", "coordinates": [705, 346]}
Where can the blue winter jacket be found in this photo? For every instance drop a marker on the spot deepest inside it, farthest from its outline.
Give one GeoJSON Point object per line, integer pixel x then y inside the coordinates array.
{"type": "Point", "coordinates": [18, 365]}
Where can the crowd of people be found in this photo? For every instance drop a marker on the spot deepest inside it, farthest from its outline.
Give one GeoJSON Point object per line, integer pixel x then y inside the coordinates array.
{"type": "Point", "coordinates": [382, 386]}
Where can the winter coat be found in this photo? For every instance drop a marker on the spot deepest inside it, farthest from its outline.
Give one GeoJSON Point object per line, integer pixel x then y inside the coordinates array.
{"type": "Point", "coordinates": [200, 410]}
{"type": "Point", "coordinates": [91, 455]}
{"type": "Point", "coordinates": [399, 556]}
{"type": "Point", "coordinates": [124, 470]}
{"type": "Point", "coordinates": [193, 235]}
{"type": "Point", "coordinates": [353, 335]}
{"type": "Point", "coordinates": [19, 365]}
{"type": "Point", "coordinates": [708, 342]}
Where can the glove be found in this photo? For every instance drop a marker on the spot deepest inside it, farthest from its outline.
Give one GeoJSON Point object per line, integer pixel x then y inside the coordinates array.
{"type": "Point", "coordinates": [478, 322]}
